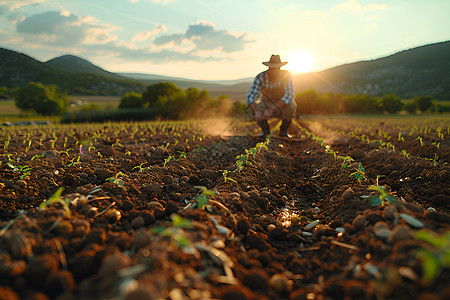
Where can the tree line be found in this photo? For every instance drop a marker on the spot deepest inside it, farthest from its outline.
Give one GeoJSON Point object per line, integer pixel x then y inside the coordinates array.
{"type": "Point", "coordinates": [166, 100]}
{"type": "Point", "coordinates": [311, 102]}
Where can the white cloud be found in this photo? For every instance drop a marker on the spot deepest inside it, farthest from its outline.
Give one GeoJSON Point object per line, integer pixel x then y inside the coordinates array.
{"type": "Point", "coordinates": [145, 35]}
{"type": "Point", "coordinates": [353, 6]}
{"type": "Point", "coordinates": [205, 36]}
{"type": "Point", "coordinates": [15, 4]}
{"type": "Point", "coordinates": [163, 1]}
{"type": "Point", "coordinates": [65, 29]}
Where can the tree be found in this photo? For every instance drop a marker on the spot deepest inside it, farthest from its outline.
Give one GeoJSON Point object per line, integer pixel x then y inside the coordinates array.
{"type": "Point", "coordinates": [40, 98]}
{"type": "Point", "coordinates": [159, 94]}
{"type": "Point", "coordinates": [410, 106]}
{"type": "Point", "coordinates": [305, 101]}
{"type": "Point", "coordinates": [423, 102]}
{"type": "Point", "coordinates": [391, 103]}
{"type": "Point", "coordinates": [131, 100]}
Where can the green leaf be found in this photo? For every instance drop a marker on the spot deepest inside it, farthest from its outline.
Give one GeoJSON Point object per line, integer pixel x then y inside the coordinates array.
{"type": "Point", "coordinates": [180, 222]}
{"type": "Point", "coordinates": [430, 264]}
{"type": "Point", "coordinates": [412, 221]}
{"type": "Point", "coordinates": [375, 200]}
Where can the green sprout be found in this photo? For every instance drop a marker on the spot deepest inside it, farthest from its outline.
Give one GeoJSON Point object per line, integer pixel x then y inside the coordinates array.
{"type": "Point", "coordinates": [166, 160]}
{"type": "Point", "coordinates": [182, 154]}
{"type": "Point", "coordinates": [141, 169]}
{"type": "Point", "coordinates": [116, 179]}
{"type": "Point", "coordinates": [25, 170]}
{"type": "Point", "coordinates": [345, 161]}
{"type": "Point", "coordinates": [175, 231]}
{"type": "Point", "coordinates": [225, 176]}
{"type": "Point", "coordinates": [74, 161]}
{"type": "Point", "coordinates": [359, 174]}
{"type": "Point", "coordinates": [56, 198]}
{"type": "Point", "coordinates": [406, 154]}
{"type": "Point", "coordinates": [420, 139]}
{"type": "Point", "coordinates": [382, 198]}
{"type": "Point", "coordinates": [37, 156]}
{"type": "Point", "coordinates": [203, 198]}
{"type": "Point", "coordinates": [436, 256]}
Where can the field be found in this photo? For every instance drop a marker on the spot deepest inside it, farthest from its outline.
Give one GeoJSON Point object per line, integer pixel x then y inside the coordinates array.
{"type": "Point", "coordinates": [352, 208]}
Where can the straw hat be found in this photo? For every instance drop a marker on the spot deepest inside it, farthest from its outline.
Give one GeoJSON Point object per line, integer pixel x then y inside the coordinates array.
{"type": "Point", "coordinates": [275, 62]}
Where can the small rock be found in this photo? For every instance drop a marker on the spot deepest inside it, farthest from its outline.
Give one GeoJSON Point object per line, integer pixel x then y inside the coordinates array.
{"type": "Point", "coordinates": [280, 283]}
{"type": "Point", "coordinates": [373, 217]}
{"type": "Point", "coordinates": [312, 225]}
{"type": "Point", "coordinates": [400, 233]}
{"type": "Point", "coordinates": [381, 230]}
{"type": "Point", "coordinates": [359, 222]}
{"type": "Point", "coordinates": [243, 226]}
{"type": "Point", "coordinates": [357, 154]}
{"type": "Point", "coordinates": [138, 222]}
{"type": "Point", "coordinates": [348, 194]}
{"type": "Point", "coordinates": [389, 212]}
{"type": "Point", "coordinates": [141, 238]}
{"type": "Point", "coordinates": [271, 227]}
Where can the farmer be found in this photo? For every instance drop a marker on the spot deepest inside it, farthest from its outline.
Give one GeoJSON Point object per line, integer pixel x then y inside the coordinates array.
{"type": "Point", "coordinates": [277, 97]}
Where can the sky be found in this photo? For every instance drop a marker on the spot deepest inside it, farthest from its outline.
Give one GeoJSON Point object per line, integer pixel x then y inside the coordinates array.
{"type": "Point", "coordinates": [219, 39]}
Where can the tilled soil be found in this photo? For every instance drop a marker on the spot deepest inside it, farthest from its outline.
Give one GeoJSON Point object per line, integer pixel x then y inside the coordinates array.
{"type": "Point", "coordinates": [293, 223]}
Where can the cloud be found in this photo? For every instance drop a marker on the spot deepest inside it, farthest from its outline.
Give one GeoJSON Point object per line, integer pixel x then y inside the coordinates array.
{"type": "Point", "coordinates": [65, 29]}
{"type": "Point", "coordinates": [205, 36]}
{"type": "Point", "coordinates": [163, 1]}
{"type": "Point", "coordinates": [353, 6]}
{"type": "Point", "coordinates": [11, 5]}
{"type": "Point", "coordinates": [145, 35]}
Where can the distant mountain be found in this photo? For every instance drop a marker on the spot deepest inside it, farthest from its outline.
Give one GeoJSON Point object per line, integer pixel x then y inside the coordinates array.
{"type": "Point", "coordinates": [424, 70]}
{"type": "Point", "coordinates": [76, 64]}
{"type": "Point", "coordinates": [17, 69]}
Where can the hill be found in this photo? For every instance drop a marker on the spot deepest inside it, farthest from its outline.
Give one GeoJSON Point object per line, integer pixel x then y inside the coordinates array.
{"type": "Point", "coordinates": [17, 69]}
{"type": "Point", "coordinates": [423, 70]}
{"type": "Point", "coordinates": [76, 64]}
{"type": "Point", "coordinates": [419, 71]}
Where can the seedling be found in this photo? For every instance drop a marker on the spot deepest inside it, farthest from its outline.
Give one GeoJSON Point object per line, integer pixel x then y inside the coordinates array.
{"type": "Point", "coordinates": [56, 198]}
{"type": "Point", "coordinates": [203, 198]}
{"type": "Point", "coordinates": [116, 179]}
{"type": "Point", "coordinates": [381, 199]}
{"type": "Point", "coordinates": [359, 174]}
{"type": "Point", "coordinates": [141, 169]}
{"type": "Point", "coordinates": [182, 154]}
{"type": "Point", "coordinates": [37, 156]}
{"type": "Point", "coordinates": [435, 257]}
{"type": "Point", "coordinates": [74, 161]}
{"type": "Point", "coordinates": [225, 176]}
{"type": "Point", "coordinates": [406, 154]}
{"type": "Point", "coordinates": [25, 170]}
{"type": "Point", "coordinates": [166, 160]}
{"type": "Point", "coordinates": [419, 138]}
{"type": "Point", "coordinates": [175, 231]}
{"type": "Point", "coordinates": [345, 161]}
{"type": "Point", "coordinates": [66, 152]}
{"type": "Point", "coordinates": [400, 138]}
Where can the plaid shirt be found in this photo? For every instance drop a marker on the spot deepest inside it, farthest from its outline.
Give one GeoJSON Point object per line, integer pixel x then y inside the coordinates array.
{"type": "Point", "coordinates": [281, 89]}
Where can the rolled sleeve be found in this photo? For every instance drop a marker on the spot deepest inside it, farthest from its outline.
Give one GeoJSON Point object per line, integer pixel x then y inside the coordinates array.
{"type": "Point", "coordinates": [254, 90]}
{"type": "Point", "coordinates": [288, 91]}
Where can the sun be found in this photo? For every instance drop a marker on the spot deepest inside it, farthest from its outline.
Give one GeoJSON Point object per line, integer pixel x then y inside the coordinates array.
{"type": "Point", "coordinates": [300, 61]}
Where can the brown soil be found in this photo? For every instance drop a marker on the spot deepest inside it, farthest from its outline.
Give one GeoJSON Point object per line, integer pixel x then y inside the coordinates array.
{"type": "Point", "coordinates": [292, 224]}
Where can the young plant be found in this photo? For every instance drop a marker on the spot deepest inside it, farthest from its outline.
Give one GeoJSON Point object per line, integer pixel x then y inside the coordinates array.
{"type": "Point", "coordinates": [225, 176]}
{"type": "Point", "coordinates": [25, 170]}
{"type": "Point", "coordinates": [203, 198]}
{"type": "Point", "coordinates": [175, 231]}
{"type": "Point", "coordinates": [359, 174]}
{"type": "Point", "coordinates": [116, 179]}
{"type": "Point", "coordinates": [436, 256]}
{"type": "Point", "coordinates": [166, 160]}
{"type": "Point", "coordinates": [345, 161]}
{"type": "Point", "coordinates": [381, 199]}
{"type": "Point", "coordinates": [56, 198]}
{"type": "Point", "coordinates": [140, 168]}
{"type": "Point", "coordinates": [74, 161]}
